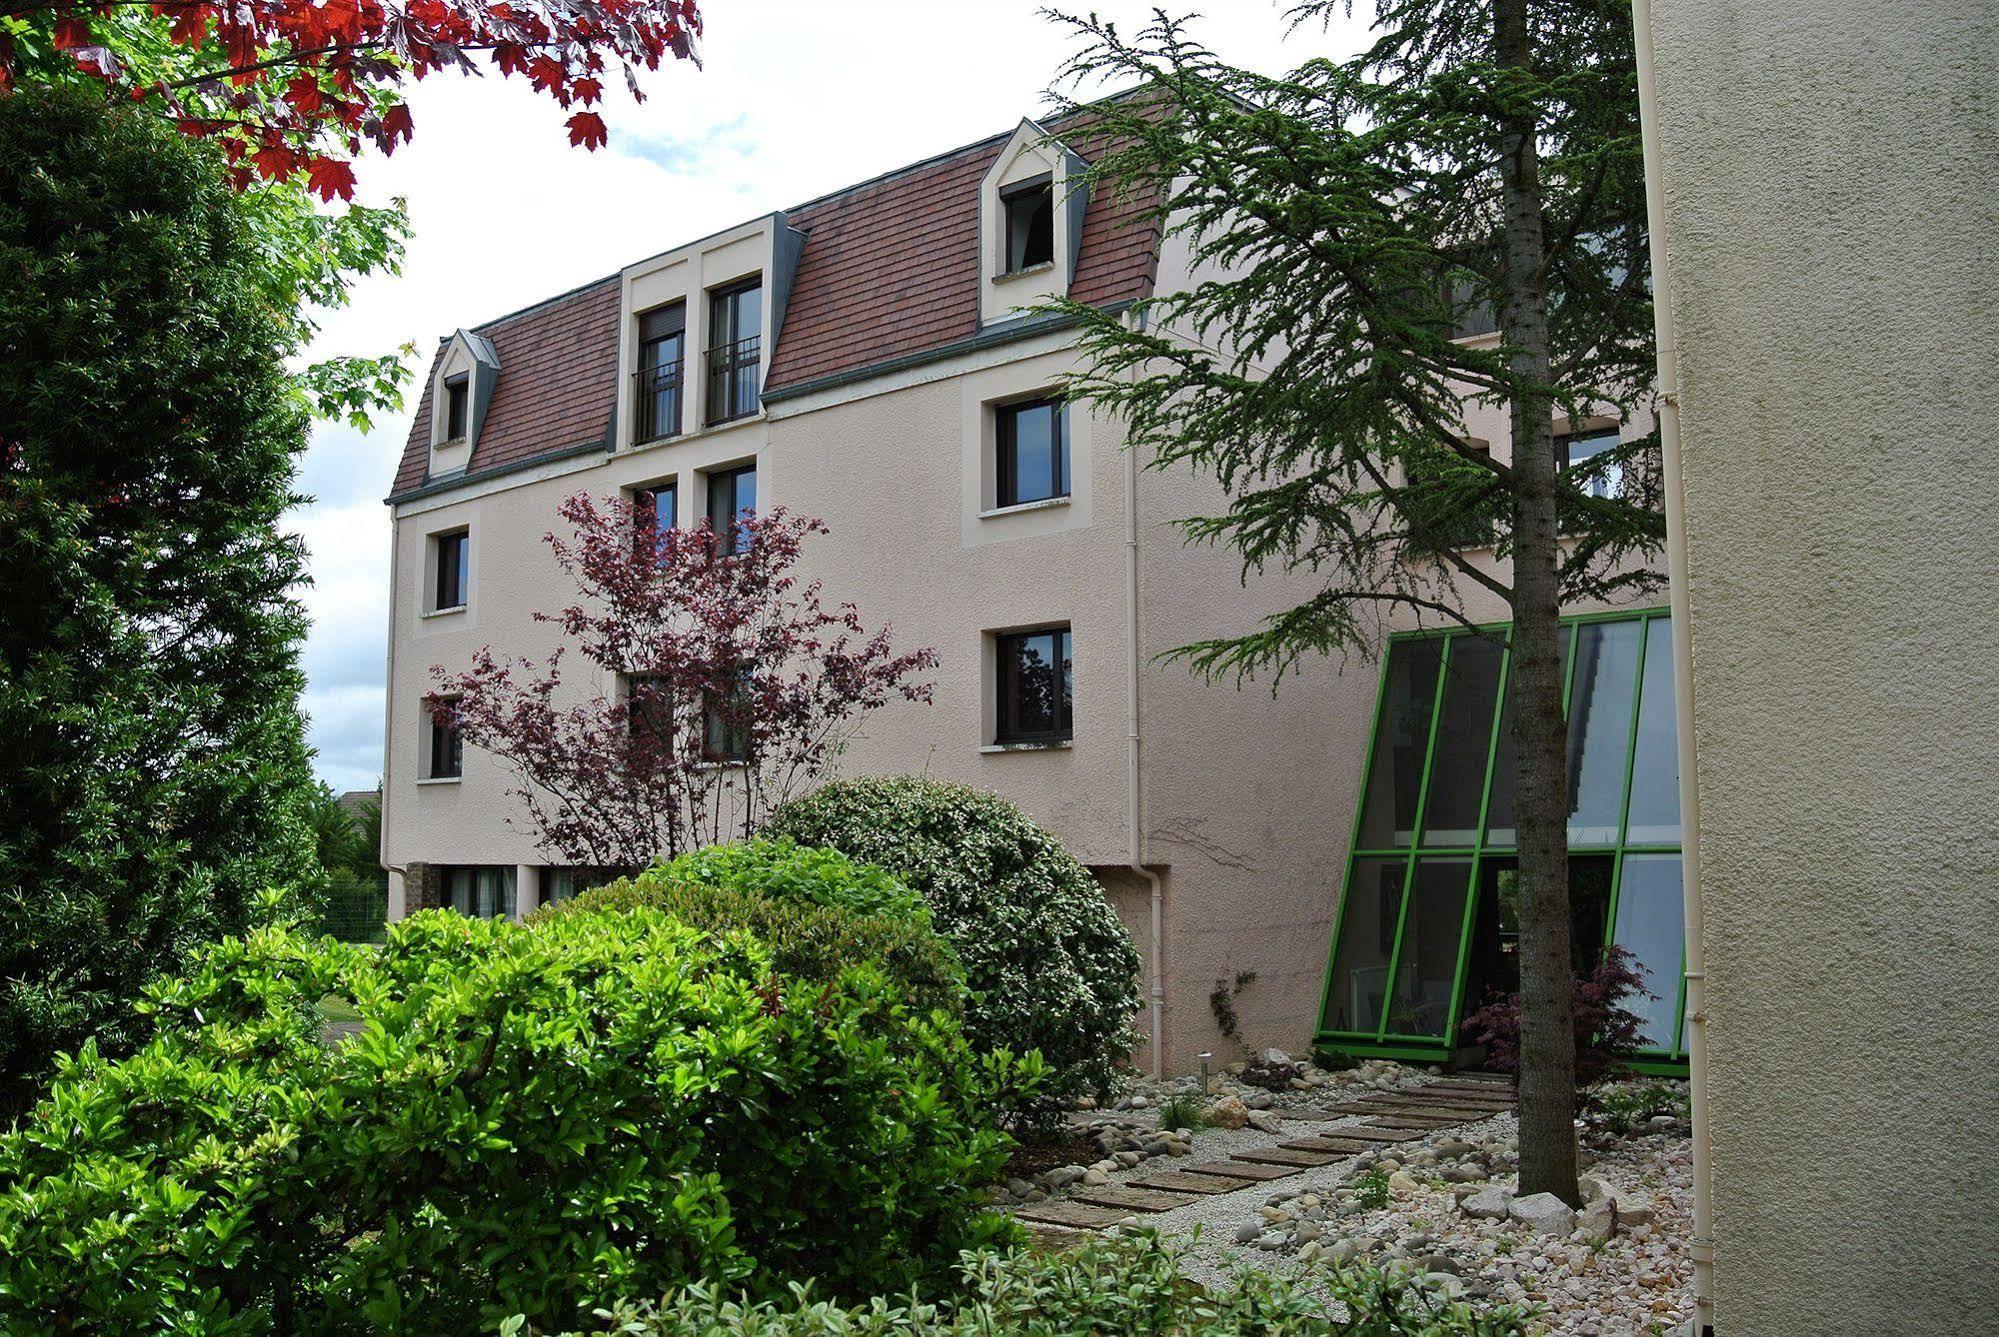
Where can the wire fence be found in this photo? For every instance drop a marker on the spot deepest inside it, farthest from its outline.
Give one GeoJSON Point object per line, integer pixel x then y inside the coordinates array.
{"type": "Point", "coordinates": [356, 911]}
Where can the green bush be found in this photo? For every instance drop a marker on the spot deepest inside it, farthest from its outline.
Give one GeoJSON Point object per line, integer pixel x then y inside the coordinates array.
{"type": "Point", "coordinates": [1049, 965]}
{"type": "Point", "coordinates": [1124, 1286]}
{"type": "Point", "coordinates": [531, 1120]}
{"type": "Point", "coordinates": [806, 941]}
{"type": "Point", "coordinates": [784, 870]}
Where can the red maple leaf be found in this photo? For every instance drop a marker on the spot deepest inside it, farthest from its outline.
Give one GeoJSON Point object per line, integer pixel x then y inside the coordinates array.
{"type": "Point", "coordinates": [587, 129]}
{"type": "Point", "coordinates": [329, 177]}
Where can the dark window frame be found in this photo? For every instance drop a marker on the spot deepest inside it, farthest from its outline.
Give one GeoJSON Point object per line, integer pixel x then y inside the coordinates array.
{"type": "Point", "coordinates": [645, 511]}
{"type": "Point", "coordinates": [446, 759]}
{"type": "Point", "coordinates": [1606, 485]}
{"type": "Point", "coordinates": [643, 719]}
{"type": "Point", "coordinates": [451, 586]}
{"type": "Point", "coordinates": [1006, 451]}
{"type": "Point", "coordinates": [457, 408]}
{"type": "Point", "coordinates": [1007, 728]}
{"type": "Point", "coordinates": [659, 383]}
{"type": "Point", "coordinates": [724, 743]}
{"type": "Point", "coordinates": [728, 538]}
{"type": "Point", "coordinates": [734, 386]}
{"type": "Point", "coordinates": [1035, 193]}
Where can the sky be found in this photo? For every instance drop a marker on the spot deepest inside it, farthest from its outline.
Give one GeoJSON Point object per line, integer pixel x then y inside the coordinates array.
{"type": "Point", "coordinates": [794, 98]}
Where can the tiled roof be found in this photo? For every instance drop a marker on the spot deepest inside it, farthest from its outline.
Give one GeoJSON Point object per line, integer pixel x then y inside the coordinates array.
{"type": "Point", "coordinates": [890, 268]}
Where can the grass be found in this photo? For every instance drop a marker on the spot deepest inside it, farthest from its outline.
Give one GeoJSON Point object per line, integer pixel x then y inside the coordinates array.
{"type": "Point", "coordinates": [333, 1009]}
{"type": "Point", "coordinates": [1182, 1113]}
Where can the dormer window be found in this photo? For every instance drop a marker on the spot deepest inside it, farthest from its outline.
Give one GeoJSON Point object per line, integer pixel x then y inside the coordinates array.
{"type": "Point", "coordinates": [1030, 224]}
{"type": "Point", "coordinates": [457, 400]}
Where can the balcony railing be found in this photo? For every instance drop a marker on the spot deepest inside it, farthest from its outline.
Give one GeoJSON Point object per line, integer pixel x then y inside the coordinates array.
{"type": "Point", "coordinates": [656, 402]}
{"type": "Point", "coordinates": [732, 379]}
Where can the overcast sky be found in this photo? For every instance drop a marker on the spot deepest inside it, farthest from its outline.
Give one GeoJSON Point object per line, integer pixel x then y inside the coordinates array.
{"type": "Point", "coordinates": [795, 98]}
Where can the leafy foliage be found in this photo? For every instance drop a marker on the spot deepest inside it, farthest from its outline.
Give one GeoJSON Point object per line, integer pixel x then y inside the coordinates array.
{"type": "Point", "coordinates": [785, 870]}
{"type": "Point", "coordinates": [1607, 1032]}
{"type": "Point", "coordinates": [1182, 1112]}
{"type": "Point", "coordinates": [806, 941]}
{"type": "Point", "coordinates": [1370, 1190]}
{"type": "Point", "coordinates": [1049, 965]}
{"type": "Point", "coordinates": [290, 88]}
{"type": "Point", "coordinates": [1626, 1108]}
{"type": "Point", "coordinates": [1130, 1285]}
{"type": "Point", "coordinates": [722, 656]}
{"type": "Point", "coordinates": [155, 779]}
{"type": "Point", "coordinates": [531, 1120]}
{"type": "Point", "coordinates": [1221, 1003]}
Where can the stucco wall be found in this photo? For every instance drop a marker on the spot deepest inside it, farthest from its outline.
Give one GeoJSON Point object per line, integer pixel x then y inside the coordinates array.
{"type": "Point", "coordinates": [1829, 175]}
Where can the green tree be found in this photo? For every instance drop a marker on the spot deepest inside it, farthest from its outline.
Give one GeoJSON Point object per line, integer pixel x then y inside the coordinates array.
{"type": "Point", "coordinates": [155, 779]}
{"type": "Point", "coordinates": [1478, 167]}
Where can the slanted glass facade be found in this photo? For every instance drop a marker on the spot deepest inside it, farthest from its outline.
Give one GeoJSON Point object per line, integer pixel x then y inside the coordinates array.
{"type": "Point", "coordinates": [1427, 920]}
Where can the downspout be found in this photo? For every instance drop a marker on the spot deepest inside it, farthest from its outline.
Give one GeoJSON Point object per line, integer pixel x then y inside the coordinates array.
{"type": "Point", "coordinates": [1134, 836]}
{"type": "Point", "coordinates": [388, 704]}
{"type": "Point", "coordinates": [1681, 602]}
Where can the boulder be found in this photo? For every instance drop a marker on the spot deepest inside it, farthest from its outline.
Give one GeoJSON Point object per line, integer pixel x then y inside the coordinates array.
{"type": "Point", "coordinates": [1403, 1182]}
{"type": "Point", "coordinates": [1064, 1175]}
{"type": "Point", "coordinates": [1544, 1214]}
{"type": "Point", "coordinates": [1488, 1204]}
{"type": "Point", "coordinates": [1276, 1057]}
{"type": "Point", "coordinates": [1263, 1121]}
{"type": "Point", "coordinates": [1228, 1112]}
{"type": "Point", "coordinates": [1617, 1211]}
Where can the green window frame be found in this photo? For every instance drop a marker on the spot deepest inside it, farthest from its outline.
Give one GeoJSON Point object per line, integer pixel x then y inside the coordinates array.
{"type": "Point", "coordinates": [1385, 1040]}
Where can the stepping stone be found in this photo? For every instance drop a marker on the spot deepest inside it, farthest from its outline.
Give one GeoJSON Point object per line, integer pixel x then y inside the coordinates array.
{"type": "Point", "coordinates": [1305, 1114]}
{"type": "Point", "coordinates": [1131, 1199]}
{"type": "Point", "coordinates": [1297, 1160]}
{"type": "Point", "coordinates": [1376, 1134]}
{"type": "Point", "coordinates": [1074, 1214]}
{"type": "Point", "coordinates": [1444, 1112]}
{"type": "Point", "coordinates": [1345, 1146]}
{"type": "Point", "coordinates": [1421, 1123]}
{"type": "Point", "coordinates": [1179, 1181]}
{"type": "Point", "coordinates": [1242, 1171]}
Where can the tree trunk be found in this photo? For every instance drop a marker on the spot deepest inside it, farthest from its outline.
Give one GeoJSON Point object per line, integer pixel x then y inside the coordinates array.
{"type": "Point", "coordinates": [1547, 1003]}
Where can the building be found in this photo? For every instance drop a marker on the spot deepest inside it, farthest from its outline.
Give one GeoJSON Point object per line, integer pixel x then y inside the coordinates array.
{"type": "Point", "coordinates": [1824, 232]}
{"type": "Point", "coordinates": [860, 358]}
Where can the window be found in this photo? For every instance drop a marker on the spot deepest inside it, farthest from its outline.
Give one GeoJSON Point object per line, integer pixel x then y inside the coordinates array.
{"type": "Point", "coordinates": [735, 344]}
{"type": "Point", "coordinates": [444, 746]}
{"type": "Point", "coordinates": [656, 383]}
{"type": "Point", "coordinates": [649, 709]}
{"type": "Point", "coordinates": [725, 727]}
{"type": "Point", "coordinates": [487, 892]}
{"type": "Point", "coordinates": [1428, 920]}
{"type": "Point", "coordinates": [451, 556]}
{"type": "Point", "coordinates": [1036, 686]}
{"type": "Point", "coordinates": [654, 510]}
{"type": "Point", "coordinates": [732, 495]}
{"type": "Point", "coordinates": [1032, 452]}
{"type": "Point", "coordinates": [1606, 478]}
{"type": "Point", "coordinates": [457, 399]}
{"type": "Point", "coordinates": [1030, 224]}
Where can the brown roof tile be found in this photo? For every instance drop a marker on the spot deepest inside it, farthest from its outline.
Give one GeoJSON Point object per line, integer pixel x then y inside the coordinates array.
{"type": "Point", "coordinates": [890, 268]}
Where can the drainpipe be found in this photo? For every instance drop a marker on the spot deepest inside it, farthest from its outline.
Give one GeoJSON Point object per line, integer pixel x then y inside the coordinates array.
{"type": "Point", "coordinates": [388, 705]}
{"type": "Point", "coordinates": [1683, 675]}
{"type": "Point", "coordinates": [1134, 836]}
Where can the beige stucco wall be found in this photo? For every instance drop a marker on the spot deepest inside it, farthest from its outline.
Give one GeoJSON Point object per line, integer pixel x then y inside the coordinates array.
{"type": "Point", "coordinates": [1830, 173]}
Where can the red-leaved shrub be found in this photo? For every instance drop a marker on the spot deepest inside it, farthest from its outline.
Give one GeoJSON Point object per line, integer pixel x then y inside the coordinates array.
{"type": "Point", "coordinates": [1606, 1030]}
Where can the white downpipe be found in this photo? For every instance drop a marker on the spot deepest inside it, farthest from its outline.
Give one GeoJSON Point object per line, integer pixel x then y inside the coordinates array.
{"type": "Point", "coordinates": [1134, 835]}
{"type": "Point", "coordinates": [1683, 674]}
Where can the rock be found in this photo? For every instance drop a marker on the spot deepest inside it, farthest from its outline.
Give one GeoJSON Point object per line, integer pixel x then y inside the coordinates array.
{"type": "Point", "coordinates": [1461, 1174]}
{"type": "Point", "coordinates": [1341, 1252]}
{"type": "Point", "coordinates": [1455, 1147]}
{"type": "Point", "coordinates": [1157, 1146]}
{"type": "Point", "coordinates": [1307, 1232]}
{"type": "Point", "coordinates": [1228, 1112]}
{"type": "Point", "coordinates": [1180, 1149]}
{"type": "Point", "coordinates": [1262, 1100]}
{"type": "Point", "coordinates": [1086, 1102]}
{"type": "Point", "coordinates": [1018, 1187]}
{"type": "Point", "coordinates": [1273, 1214]}
{"type": "Point", "coordinates": [1263, 1121]}
{"type": "Point", "coordinates": [1271, 1241]}
{"type": "Point", "coordinates": [1614, 1212]}
{"type": "Point", "coordinates": [1591, 1189]}
{"type": "Point", "coordinates": [1127, 1159]}
{"type": "Point", "coordinates": [1138, 1103]}
{"type": "Point", "coordinates": [1438, 1262]}
{"type": "Point", "coordinates": [1403, 1182]}
{"type": "Point", "coordinates": [1064, 1175]}
{"type": "Point", "coordinates": [1247, 1232]}
{"type": "Point", "coordinates": [1094, 1177]}
{"type": "Point", "coordinates": [1544, 1214]}
{"type": "Point", "coordinates": [1310, 1250]}
{"type": "Point", "coordinates": [1276, 1057]}
{"type": "Point", "coordinates": [1663, 1123]}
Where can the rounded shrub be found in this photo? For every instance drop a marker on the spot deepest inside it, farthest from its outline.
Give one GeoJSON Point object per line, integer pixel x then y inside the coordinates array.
{"type": "Point", "coordinates": [531, 1120]}
{"type": "Point", "coordinates": [785, 870]}
{"type": "Point", "coordinates": [806, 941]}
{"type": "Point", "coordinates": [1049, 965]}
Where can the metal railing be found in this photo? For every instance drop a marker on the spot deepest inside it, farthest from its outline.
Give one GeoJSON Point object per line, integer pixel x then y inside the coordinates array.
{"type": "Point", "coordinates": [656, 401]}
{"type": "Point", "coordinates": [733, 375]}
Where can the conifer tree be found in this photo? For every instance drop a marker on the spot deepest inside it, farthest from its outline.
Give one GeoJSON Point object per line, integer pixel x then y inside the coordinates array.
{"type": "Point", "coordinates": [1454, 217]}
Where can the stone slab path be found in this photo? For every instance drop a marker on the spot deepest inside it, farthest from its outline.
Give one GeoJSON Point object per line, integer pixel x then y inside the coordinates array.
{"type": "Point", "coordinates": [1343, 1130]}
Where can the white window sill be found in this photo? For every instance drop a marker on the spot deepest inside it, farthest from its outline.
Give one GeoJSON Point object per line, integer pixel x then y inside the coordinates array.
{"type": "Point", "coordinates": [442, 612]}
{"type": "Point", "coordinates": [1047, 745]}
{"type": "Point", "coordinates": [1045, 267]}
{"type": "Point", "coordinates": [442, 780]}
{"type": "Point", "coordinates": [1046, 503]}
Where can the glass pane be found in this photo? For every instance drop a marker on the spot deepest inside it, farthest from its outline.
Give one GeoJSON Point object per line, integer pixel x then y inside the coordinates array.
{"type": "Point", "coordinates": [1388, 816]}
{"type": "Point", "coordinates": [1367, 941]}
{"type": "Point", "coordinates": [1600, 697]}
{"type": "Point", "coordinates": [1036, 674]}
{"type": "Point", "coordinates": [1464, 734]}
{"type": "Point", "coordinates": [1032, 431]}
{"type": "Point", "coordinates": [1493, 966]}
{"type": "Point", "coordinates": [1651, 926]}
{"type": "Point", "coordinates": [1606, 479]}
{"type": "Point", "coordinates": [1427, 965]}
{"type": "Point", "coordinates": [1654, 818]}
{"type": "Point", "coordinates": [1499, 812]}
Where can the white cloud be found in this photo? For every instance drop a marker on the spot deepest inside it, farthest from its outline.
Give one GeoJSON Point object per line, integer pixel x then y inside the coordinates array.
{"type": "Point", "coordinates": [796, 98]}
